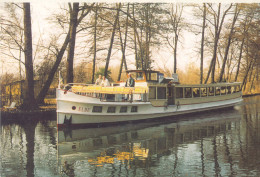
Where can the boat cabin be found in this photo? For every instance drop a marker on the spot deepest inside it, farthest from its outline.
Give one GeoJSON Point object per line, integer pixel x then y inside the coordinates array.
{"type": "Point", "coordinates": [151, 86]}
{"type": "Point", "coordinates": [177, 94]}
{"type": "Point", "coordinates": [144, 76]}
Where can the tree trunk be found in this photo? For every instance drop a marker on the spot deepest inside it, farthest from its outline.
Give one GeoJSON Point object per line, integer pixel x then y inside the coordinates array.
{"type": "Point", "coordinates": [20, 73]}
{"type": "Point", "coordinates": [252, 83]}
{"type": "Point", "coordinates": [239, 59]}
{"type": "Point", "coordinates": [175, 53]}
{"type": "Point", "coordinates": [214, 58]}
{"type": "Point", "coordinates": [95, 48]}
{"type": "Point", "coordinates": [228, 45]}
{"type": "Point", "coordinates": [72, 33]}
{"type": "Point", "coordinates": [147, 11]}
{"type": "Point", "coordinates": [175, 18]}
{"type": "Point", "coordinates": [246, 75]}
{"type": "Point", "coordinates": [202, 43]}
{"type": "Point", "coordinates": [112, 41]}
{"type": "Point", "coordinates": [209, 71]}
{"type": "Point", "coordinates": [29, 101]}
{"type": "Point", "coordinates": [123, 46]}
{"type": "Point", "coordinates": [135, 42]}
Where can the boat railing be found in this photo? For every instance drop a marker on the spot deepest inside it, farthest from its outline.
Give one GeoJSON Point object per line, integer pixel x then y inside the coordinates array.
{"type": "Point", "coordinates": [111, 93]}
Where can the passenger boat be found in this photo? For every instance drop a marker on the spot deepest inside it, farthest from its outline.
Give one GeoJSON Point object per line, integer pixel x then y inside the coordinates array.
{"type": "Point", "coordinates": [153, 96]}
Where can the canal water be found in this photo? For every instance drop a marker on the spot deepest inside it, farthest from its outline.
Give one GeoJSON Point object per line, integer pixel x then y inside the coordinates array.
{"type": "Point", "coordinates": [217, 143]}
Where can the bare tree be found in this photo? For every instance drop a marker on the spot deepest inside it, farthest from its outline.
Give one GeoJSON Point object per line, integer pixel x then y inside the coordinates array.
{"type": "Point", "coordinates": [245, 25]}
{"type": "Point", "coordinates": [59, 55]}
{"type": "Point", "coordinates": [123, 45]}
{"type": "Point", "coordinates": [112, 39]}
{"type": "Point", "coordinates": [202, 43]}
{"type": "Point", "coordinates": [175, 20]}
{"type": "Point", "coordinates": [12, 37]}
{"type": "Point", "coordinates": [29, 101]}
{"type": "Point", "coordinates": [94, 46]}
{"type": "Point", "coordinates": [72, 35]}
{"type": "Point", "coordinates": [236, 13]}
{"type": "Point", "coordinates": [218, 23]}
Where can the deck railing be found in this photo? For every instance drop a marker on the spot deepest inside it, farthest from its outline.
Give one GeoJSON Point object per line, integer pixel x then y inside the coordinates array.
{"type": "Point", "coordinates": [111, 93]}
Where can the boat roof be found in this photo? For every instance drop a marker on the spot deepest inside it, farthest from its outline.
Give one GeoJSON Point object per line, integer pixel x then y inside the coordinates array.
{"type": "Point", "coordinates": [209, 85]}
{"type": "Point", "coordinates": [139, 70]}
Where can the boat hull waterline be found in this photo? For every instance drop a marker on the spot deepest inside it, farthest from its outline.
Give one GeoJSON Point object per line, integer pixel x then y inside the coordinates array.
{"type": "Point", "coordinates": [76, 110]}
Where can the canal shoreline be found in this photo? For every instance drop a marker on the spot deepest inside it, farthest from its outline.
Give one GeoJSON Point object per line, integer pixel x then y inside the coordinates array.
{"type": "Point", "coordinates": [46, 112]}
{"type": "Point", "coordinates": [249, 95]}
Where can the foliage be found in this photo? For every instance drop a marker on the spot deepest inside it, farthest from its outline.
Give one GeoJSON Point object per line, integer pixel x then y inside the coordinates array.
{"type": "Point", "coordinates": [101, 71]}
{"type": "Point", "coordinates": [83, 73]}
{"type": "Point", "coordinates": [191, 74]}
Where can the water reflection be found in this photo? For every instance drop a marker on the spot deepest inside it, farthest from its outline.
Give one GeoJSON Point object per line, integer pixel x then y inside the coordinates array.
{"type": "Point", "coordinates": [220, 143]}
{"type": "Point", "coordinates": [28, 149]}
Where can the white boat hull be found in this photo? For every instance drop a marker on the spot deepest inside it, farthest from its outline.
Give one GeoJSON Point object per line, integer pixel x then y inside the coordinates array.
{"type": "Point", "coordinates": [77, 109]}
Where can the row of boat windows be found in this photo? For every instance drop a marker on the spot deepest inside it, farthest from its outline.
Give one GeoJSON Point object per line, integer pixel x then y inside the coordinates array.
{"type": "Point", "coordinates": [112, 109]}
{"type": "Point", "coordinates": [190, 92]}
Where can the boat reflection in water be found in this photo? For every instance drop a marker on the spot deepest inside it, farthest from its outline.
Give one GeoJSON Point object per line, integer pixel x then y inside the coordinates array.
{"type": "Point", "coordinates": [158, 148]}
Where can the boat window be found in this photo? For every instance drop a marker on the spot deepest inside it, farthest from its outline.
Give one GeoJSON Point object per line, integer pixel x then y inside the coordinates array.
{"type": "Point", "coordinates": [139, 76]}
{"type": "Point", "coordinates": [203, 92]}
{"type": "Point", "coordinates": [196, 92]}
{"type": "Point", "coordinates": [228, 89]}
{"type": "Point", "coordinates": [233, 89]}
{"type": "Point", "coordinates": [152, 92]}
{"type": "Point", "coordinates": [134, 109]}
{"type": "Point", "coordinates": [187, 92]}
{"type": "Point", "coordinates": [97, 109]}
{"type": "Point", "coordinates": [211, 91]}
{"type": "Point", "coordinates": [179, 92]}
{"type": "Point", "coordinates": [217, 91]}
{"type": "Point", "coordinates": [161, 92]}
{"type": "Point", "coordinates": [152, 76]}
{"type": "Point", "coordinates": [237, 88]}
{"type": "Point", "coordinates": [223, 90]}
{"type": "Point", "coordinates": [111, 109]}
{"type": "Point", "coordinates": [123, 109]}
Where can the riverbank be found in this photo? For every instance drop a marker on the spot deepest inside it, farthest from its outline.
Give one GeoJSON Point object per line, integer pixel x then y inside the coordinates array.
{"type": "Point", "coordinates": [249, 95]}
{"type": "Point", "coordinates": [46, 112]}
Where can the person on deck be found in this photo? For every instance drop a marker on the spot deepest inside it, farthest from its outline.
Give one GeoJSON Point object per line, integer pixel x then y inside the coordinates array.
{"type": "Point", "coordinates": [105, 82]}
{"type": "Point", "coordinates": [99, 80]}
{"type": "Point", "coordinates": [130, 82]}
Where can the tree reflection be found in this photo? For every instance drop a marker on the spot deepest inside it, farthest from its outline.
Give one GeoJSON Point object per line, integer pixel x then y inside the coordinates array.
{"type": "Point", "coordinates": [29, 129]}
{"type": "Point", "coordinates": [68, 169]}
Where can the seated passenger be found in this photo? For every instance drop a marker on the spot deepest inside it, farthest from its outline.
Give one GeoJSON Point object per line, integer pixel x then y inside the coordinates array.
{"type": "Point", "coordinates": [105, 82]}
